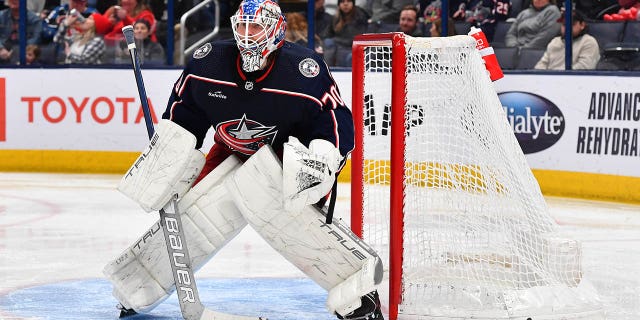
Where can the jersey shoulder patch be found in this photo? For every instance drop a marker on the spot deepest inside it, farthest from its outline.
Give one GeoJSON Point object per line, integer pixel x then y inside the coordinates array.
{"type": "Point", "coordinates": [307, 61]}
{"type": "Point", "coordinates": [203, 51]}
{"type": "Point", "coordinates": [309, 68]}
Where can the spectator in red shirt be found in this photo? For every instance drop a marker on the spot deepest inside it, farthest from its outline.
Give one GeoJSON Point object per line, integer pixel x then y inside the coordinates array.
{"type": "Point", "coordinates": [126, 14]}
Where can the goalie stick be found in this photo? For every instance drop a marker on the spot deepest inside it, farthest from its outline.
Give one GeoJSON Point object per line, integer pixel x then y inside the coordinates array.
{"type": "Point", "coordinates": [190, 304]}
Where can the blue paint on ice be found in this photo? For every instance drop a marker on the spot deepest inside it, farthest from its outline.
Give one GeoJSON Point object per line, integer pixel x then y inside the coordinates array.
{"type": "Point", "coordinates": [274, 298]}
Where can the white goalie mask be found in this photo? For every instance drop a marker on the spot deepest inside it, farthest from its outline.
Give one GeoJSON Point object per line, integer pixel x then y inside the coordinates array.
{"type": "Point", "coordinates": [259, 30]}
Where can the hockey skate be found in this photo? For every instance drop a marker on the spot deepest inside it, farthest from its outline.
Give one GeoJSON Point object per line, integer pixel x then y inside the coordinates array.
{"type": "Point", "coordinates": [124, 312]}
{"type": "Point", "coordinates": [369, 310]}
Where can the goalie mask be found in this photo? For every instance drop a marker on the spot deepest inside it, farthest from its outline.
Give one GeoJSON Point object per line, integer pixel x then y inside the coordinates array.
{"type": "Point", "coordinates": [259, 29]}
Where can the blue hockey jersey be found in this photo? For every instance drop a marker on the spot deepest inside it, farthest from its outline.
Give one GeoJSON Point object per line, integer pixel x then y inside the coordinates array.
{"type": "Point", "coordinates": [295, 95]}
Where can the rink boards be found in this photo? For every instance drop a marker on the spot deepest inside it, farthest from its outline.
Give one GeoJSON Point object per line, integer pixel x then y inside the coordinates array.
{"type": "Point", "coordinates": [89, 120]}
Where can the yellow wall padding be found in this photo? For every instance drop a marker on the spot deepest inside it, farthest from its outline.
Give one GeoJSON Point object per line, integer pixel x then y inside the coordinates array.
{"type": "Point", "coordinates": [552, 183]}
{"type": "Point", "coordinates": [66, 161]}
{"type": "Point", "coordinates": [589, 185]}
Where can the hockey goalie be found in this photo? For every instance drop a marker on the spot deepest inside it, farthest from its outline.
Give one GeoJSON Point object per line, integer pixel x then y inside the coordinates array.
{"type": "Point", "coordinates": [282, 133]}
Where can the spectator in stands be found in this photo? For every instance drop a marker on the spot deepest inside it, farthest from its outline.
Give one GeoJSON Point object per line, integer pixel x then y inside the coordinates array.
{"type": "Point", "coordinates": [33, 55]}
{"type": "Point", "coordinates": [387, 11]}
{"type": "Point", "coordinates": [9, 31]}
{"type": "Point", "coordinates": [431, 10]}
{"type": "Point", "coordinates": [535, 26]}
{"type": "Point", "coordinates": [35, 6]}
{"type": "Point", "coordinates": [485, 14]}
{"type": "Point", "coordinates": [322, 19]}
{"type": "Point", "coordinates": [297, 31]}
{"type": "Point", "coordinates": [477, 12]}
{"type": "Point", "coordinates": [149, 52]}
{"type": "Point", "coordinates": [626, 4]}
{"type": "Point", "coordinates": [585, 50]}
{"type": "Point", "coordinates": [436, 28]}
{"type": "Point", "coordinates": [51, 23]}
{"type": "Point", "coordinates": [460, 9]}
{"type": "Point", "coordinates": [348, 22]}
{"type": "Point", "coordinates": [409, 21]}
{"type": "Point", "coordinates": [126, 14]}
{"type": "Point", "coordinates": [85, 46]}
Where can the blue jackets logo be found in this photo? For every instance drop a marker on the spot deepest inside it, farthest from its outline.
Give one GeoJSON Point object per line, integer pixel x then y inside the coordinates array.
{"type": "Point", "coordinates": [537, 122]}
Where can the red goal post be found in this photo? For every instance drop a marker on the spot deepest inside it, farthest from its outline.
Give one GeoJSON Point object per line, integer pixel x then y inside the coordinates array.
{"type": "Point", "coordinates": [398, 97]}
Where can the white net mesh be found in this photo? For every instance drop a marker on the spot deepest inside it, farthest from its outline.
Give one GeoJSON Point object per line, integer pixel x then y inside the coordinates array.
{"type": "Point", "coordinates": [478, 240]}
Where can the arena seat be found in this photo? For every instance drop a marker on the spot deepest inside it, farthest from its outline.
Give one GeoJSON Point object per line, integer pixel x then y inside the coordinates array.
{"type": "Point", "coordinates": [507, 57]}
{"type": "Point", "coordinates": [501, 32]}
{"type": "Point", "coordinates": [606, 32]}
{"type": "Point", "coordinates": [529, 57]}
{"type": "Point", "coordinates": [426, 29]}
{"type": "Point", "coordinates": [516, 7]}
{"type": "Point", "coordinates": [632, 32]}
{"type": "Point", "coordinates": [462, 27]}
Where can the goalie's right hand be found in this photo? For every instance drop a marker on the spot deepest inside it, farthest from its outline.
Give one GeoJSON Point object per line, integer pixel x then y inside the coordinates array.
{"type": "Point", "coordinates": [308, 173]}
{"type": "Point", "coordinates": [168, 166]}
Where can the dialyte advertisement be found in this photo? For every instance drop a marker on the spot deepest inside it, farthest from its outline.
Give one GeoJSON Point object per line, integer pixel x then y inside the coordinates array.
{"type": "Point", "coordinates": [575, 123]}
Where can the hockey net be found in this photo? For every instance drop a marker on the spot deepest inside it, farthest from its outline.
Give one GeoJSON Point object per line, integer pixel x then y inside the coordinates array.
{"type": "Point", "coordinates": [443, 192]}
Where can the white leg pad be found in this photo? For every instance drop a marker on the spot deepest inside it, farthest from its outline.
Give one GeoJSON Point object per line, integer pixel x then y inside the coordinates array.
{"type": "Point", "coordinates": [142, 275]}
{"type": "Point", "coordinates": [330, 254]}
{"type": "Point", "coordinates": [345, 297]}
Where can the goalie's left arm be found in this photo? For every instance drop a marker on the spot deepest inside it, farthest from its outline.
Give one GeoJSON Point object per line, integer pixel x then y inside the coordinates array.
{"type": "Point", "coordinates": [333, 122]}
{"type": "Point", "coordinates": [312, 163]}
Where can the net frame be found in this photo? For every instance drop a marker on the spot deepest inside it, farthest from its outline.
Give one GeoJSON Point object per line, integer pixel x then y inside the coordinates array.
{"type": "Point", "coordinates": [398, 98]}
{"type": "Point", "coordinates": [397, 43]}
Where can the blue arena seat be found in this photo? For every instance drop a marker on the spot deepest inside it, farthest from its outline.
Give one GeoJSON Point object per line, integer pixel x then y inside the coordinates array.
{"type": "Point", "coordinates": [462, 27]}
{"type": "Point", "coordinates": [516, 7]}
{"type": "Point", "coordinates": [426, 29]}
{"type": "Point", "coordinates": [632, 32]}
{"type": "Point", "coordinates": [529, 57]}
{"type": "Point", "coordinates": [507, 57]}
{"type": "Point", "coordinates": [606, 32]}
{"type": "Point", "coordinates": [501, 31]}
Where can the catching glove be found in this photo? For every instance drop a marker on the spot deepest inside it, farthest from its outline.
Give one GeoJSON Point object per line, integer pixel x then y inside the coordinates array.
{"type": "Point", "coordinates": [308, 173]}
